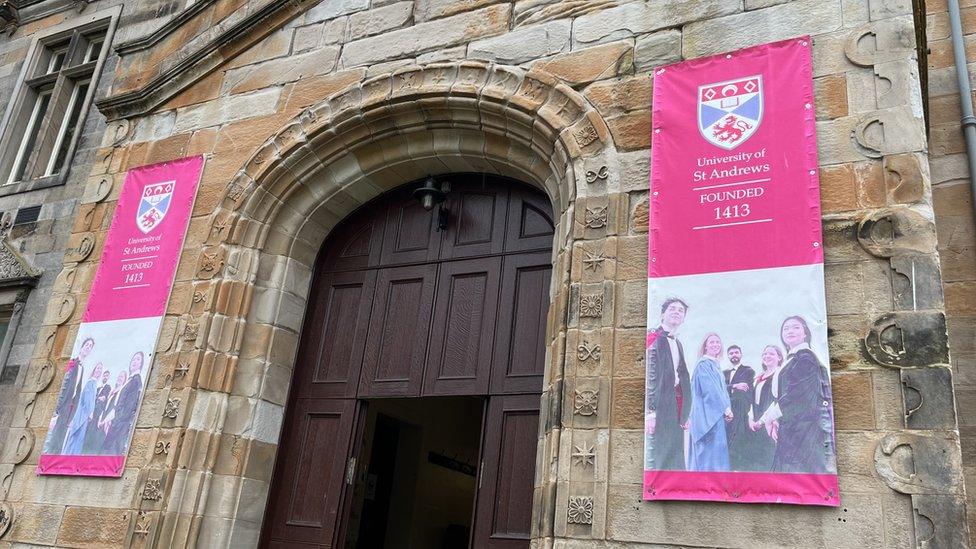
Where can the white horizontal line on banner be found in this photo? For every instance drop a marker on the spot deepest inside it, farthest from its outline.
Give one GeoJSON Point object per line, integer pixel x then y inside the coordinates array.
{"type": "Point", "coordinates": [731, 184]}
{"type": "Point", "coordinates": [127, 287]}
{"type": "Point", "coordinates": [731, 224]}
{"type": "Point", "coordinates": [138, 258]}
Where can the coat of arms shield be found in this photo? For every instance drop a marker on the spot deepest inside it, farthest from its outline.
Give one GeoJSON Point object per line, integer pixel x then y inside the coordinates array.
{"type": "Point", "coordinates": [154, 204]}
{"type": "Point", "coordinates": [729, 112]}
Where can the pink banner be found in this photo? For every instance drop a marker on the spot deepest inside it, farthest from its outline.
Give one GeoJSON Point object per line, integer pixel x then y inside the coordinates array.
{"type": "Point", "coordinates": [91, 428]}
{"type": "Point", "coordinates": [738, 400]}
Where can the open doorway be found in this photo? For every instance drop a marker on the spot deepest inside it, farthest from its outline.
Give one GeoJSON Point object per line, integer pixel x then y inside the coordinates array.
{"type": "Point", "coordinates": [417, 481]}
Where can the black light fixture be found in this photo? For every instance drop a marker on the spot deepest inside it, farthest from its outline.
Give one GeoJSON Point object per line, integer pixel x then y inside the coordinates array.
{"type": "Point", "coordinates": [433, 194]}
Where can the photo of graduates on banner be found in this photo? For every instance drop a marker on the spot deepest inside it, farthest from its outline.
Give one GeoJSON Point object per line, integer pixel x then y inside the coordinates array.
{"type": "Point", "coordinates": [103, 385]}
{"type": "Point", "coordinates": [737, 376]}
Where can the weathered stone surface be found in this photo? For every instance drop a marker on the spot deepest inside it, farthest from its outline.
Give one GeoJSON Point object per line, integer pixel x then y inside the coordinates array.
{"type": "Point", "coordinates": [831, 96]}
{"type": "Point", "coordinates": [435, 9]}
{"type": "Point", "coordinates": [656, 49]}
{"type": "Point", "coordinates": [759, 26]}
{"type": "Point", "coordinates": [916, 463]}
{"type": "Point", "coordinates": [596, 63]}
{"type": "Point", "coordinates": [929, 402]}
{"type": "Point", "coordinates": [853, 398]}
{"type": "Point", "coordinates": [333, 9]}
{"type": "Point", "coordinates": [620, 95]}
{"type": "Point", "coordinates": [642, 17]}
{"type": "Point", "coordinates": [93, 527]}
{"type": "Point", "coordinates": [525, 44]}
{"type": "Point", "coordinates": [426, 36]}
{"type": "Point", "coordinates": [280, 71]}
{"type": "Point", "coordinates": [379, 20]}
{"type": "Point", "coordinates": [908, 339]}
{"type": "Point", "coordinates": [228, 109]}
{"type": "Point", "coordinates": [631, 131]}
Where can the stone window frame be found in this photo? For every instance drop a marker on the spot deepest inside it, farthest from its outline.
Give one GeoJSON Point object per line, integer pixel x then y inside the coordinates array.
{"type": "Point", "coordinates": [20, 112]}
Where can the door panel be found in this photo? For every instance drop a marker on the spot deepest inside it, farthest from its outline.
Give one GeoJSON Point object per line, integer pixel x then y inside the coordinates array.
{"type": "Point", "coordinates": [409, 236]}
{"type": "Point", "coordinates": [530, 225]}
{"type": "Point", "coordinates": [520, 347]}
{"type": "Point", "coordinates": [355, 244]}
{"type": "Point", "coordinates": [310, 474]}
{"type": "Point", "coordinates": [503, 515]}
{"type": "Point", "coordinates": [477, 220]}
{"type": "Point", "coordinates": [459, 361]}
{"type": "Point", "coordinates": [336, 335]}
{"type": "Point", "coordinates": [396, 345]}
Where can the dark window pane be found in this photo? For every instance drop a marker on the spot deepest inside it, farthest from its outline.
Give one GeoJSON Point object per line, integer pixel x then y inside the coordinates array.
{"type": "Point", "coordinates": [71, 126]}
{"type": "Point", "coordinates": [30, 135]}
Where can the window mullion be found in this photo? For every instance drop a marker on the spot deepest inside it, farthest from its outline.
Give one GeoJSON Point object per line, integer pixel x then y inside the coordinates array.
{"type": "Point", "coordinates": [50, 126]}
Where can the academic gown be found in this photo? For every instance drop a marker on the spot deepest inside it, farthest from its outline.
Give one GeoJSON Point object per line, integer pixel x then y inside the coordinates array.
{"type": "Point", "coordinates": [666, 447]}
{"type": "Point", "coordinates": [126, 406]}
{"type": "Point", "coordinates": [67, 400]}
{"type": "Point", "coordinates": [738, 432]}
{"type": "Point", "coordinates": [709, 444]}
{"type": "Point", "coordinates": [762, 446]}
{"type": "Point", "coordinates": [79, 423]}
{"type": "Point", "coordinates": [95, 437]}
{"type": "Point", "coordinates": [805, 443]}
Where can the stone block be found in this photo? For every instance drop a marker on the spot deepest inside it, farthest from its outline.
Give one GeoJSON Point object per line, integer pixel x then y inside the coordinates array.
{"type": "Point", "coordinates": [853, 398]}
{"type": "Point", "coordinates": [590, 64]}
{"type": "Point", "coordinates": [333, 9]}
{"type": "Point", "coordinates": [917, 463]}
{"type": "Point", "coordinates": [908, 339]}
{"type": "Point", "coordinates": [36, 524]}
{"type": "Point", "coordinates": [93, 527]}
{"type": "Point", "coordinates": [435, 9]}
{"type": "Point", "coordinates": [228, 109]}
{"type": "Point", "coordinates": [627, 406]}
{"type": "Point", "coordinates": [779, 22]}
{"type": "Point", "coordinates": [643, 17]}
{"type": "Point", "coordinates": [631, 131]}
{"type": "Point", "coordinates": [831, 96]}
{"type": "Point", "coordinates": [524, 44]}
{"type": "Point", "coordinates": [280, 71]}
{"type": "Point", "coordinates": [929, 402]}
{"type": "Point", "coordinates": [379, 20]}
{"type": "Point", "coordinates": [620, 95]}
{"type": "Point", "coordinates": [659, 48]}
{"type": "Point", "coordinates": [426, 36]}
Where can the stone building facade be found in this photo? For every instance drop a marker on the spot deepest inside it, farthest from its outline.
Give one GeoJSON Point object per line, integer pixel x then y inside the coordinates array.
{"type": "Point", "coordinates": [306, 111]}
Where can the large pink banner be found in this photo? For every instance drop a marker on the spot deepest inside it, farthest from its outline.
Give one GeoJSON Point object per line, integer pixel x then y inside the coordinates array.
{"type": "Point", "coordinates": [738, 400]}
{"type": "Point", "coordinates": [91, 428]}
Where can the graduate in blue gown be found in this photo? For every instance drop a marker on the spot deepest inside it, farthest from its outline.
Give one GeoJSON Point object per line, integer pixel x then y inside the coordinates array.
{"type": "Point", "coordinates": [710, 410]}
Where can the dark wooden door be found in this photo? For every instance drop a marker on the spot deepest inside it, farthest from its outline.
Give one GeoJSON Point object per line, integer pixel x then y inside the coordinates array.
{"type": "Point", "coordinates": [503, 512]}
{"type": "Point", "coordinates": [402, 308]}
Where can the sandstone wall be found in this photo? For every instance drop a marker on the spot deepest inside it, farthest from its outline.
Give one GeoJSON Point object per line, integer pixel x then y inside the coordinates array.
{"type": "Point", "coordinates": [314, 108]}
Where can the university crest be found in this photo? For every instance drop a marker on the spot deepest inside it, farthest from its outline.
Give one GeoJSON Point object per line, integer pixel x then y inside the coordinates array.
{"type": "Point", "coordinates": [730, 112]}
{"type": "Point", "coordinates": [154, 204]}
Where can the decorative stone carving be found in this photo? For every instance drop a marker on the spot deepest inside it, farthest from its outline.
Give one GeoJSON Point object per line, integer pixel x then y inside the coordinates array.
{"type": "Point", "coordinates": [172, 408]}
{"type": "Point", "coordinates": [9, 18]}
{"type": "Point", "coordinates": [580, 510]}
{"type": "Point", "coordinates": [61, 309]}
{"type": "Point", "coordinates": [14, 267]}
{"type": "Point", "coordinates": [596, 218]}
{"type": "Point", "coordinates": [880, 41]}
{"type": "Point", "coordinates": [22, 448]}
{"type": "Point", "coordinates": [937, 520]}
{"type": "Point", "coordinates": [6, 517]}
{"type": "Point", "coordinates": [182, 370]}
{"type": "Point", "coordinates": [161, 448]}
{"type": "Point", "coordinates": [916, 463]}
{"type": "Point", "coordinates": [80, 252]}
{"type": "Point", "coordinates": [6, 479]}
{"type": "Point", "coordinates": [586, 352]}
{"type": "Point", "coordinates": [908, 339]}
{"type": "Point", "coordinates": [585, 135]}
{"type": "Point", "coordinates": [153, 490]}
{"type": "Point", "coordinates": [892, 231]}
{"type": "Point", "coordinates": [121, 128]}
{"type": "Point", "coordinates": [41, 376]}
{"type": "Point", "coordinates": [199, 297]}
{"type": "Point", "coordinates": [591, 305]}
{"type": "Point", "coordinates": [26, 409]}
{"type": "Point", "coordinates": [598, 175]}
{"type": "Point", "coordinates": [191, 330]}
{"type": "Point", "coordinates": [584, 455]}
{"type": "Point", "coordinates": [97, 189]}
{"type": "Point", "coordinates": [593, 261]}
{"type": "Point", "coordinates": [210, 264]}
{"type": "Point", "coordinates": [888, 131]}
{"type": "Point", "coordinates": [929, 401]}
{"type": "Point", "coordinates": [586, 402]}
{"type": "Point", "coordinates": [916, 282]}
{"type": "Point", "coordinates": [143, 523]}
{"type": "Point", "coordinates": [219, 226]}
{"type": "Point", "coordinates": [904, 181]}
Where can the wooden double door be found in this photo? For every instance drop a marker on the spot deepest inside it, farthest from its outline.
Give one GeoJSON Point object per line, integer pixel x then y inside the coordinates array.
{"type": "Point", "coordinates": [402, 307]}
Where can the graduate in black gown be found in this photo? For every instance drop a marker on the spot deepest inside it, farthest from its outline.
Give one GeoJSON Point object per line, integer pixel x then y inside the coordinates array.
{"type": "Point", "coordinates": [668, 391]}
{"type": "Point", "coordinates": [126, 406]}
{"type": "Point", "coordinates": [804, 437]}
{"type": "Point", "coordinates": [739, 384]}
{"type": "Point", "coordinates": [762, 447]}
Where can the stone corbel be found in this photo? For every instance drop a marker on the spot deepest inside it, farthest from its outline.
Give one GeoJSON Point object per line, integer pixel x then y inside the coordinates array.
{"type": "Point", "coordinates": [940, 521]}
{"type": "Point", "coordinates": [916, 463]}
{"type": "Point", "coordinates": [908, 339]}
{"type": "Point", "coordinates": [880, 41]}
{"type": "Point", "coordinates": [928, 397]}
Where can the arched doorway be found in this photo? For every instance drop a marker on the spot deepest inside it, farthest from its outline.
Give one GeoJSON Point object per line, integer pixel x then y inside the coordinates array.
{"type": "Point", "coordinates": [419, 323]}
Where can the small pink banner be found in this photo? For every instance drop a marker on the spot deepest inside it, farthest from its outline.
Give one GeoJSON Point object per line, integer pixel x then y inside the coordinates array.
{"type": "Point", "coordinates": [91, 428]}
{"type": "Point", "coordinates": [738, 399]}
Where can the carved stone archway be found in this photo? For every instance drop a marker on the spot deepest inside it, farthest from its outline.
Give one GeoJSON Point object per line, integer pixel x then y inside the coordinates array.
{"type": "Point", "coordinates": [237, 347]}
